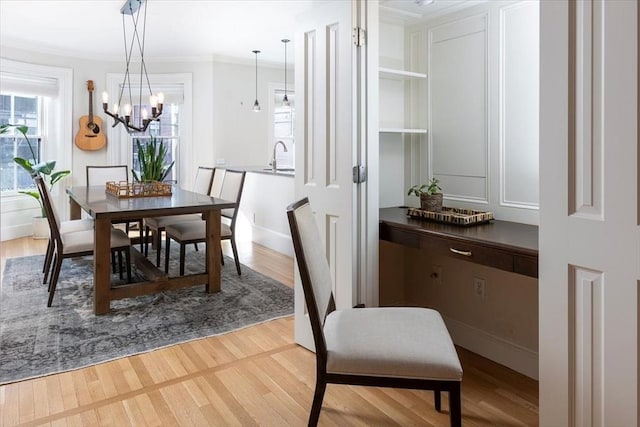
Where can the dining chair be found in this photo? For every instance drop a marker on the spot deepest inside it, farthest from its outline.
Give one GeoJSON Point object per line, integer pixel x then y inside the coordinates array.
{"type": "Point", "coordinates": [194, 231]}
{"type": "Point", "coordinates": [99, 175]}
{"type": "Point", "coordinates": [77, 243]}
{"type": "Point", "coordinates": [400, 347]}
{"type": "Point", "coordinates": [204, 180]}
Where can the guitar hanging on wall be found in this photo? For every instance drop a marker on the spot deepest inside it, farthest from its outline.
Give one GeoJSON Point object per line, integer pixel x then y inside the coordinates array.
{"type": "Point", "coordinates": [90, 136]}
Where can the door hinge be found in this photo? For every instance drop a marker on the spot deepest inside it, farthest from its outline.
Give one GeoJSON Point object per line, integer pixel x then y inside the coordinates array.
{"type": "Point", "coordinates": [359, 174]}
{"type": "Point", "coordinates": [359, 36]}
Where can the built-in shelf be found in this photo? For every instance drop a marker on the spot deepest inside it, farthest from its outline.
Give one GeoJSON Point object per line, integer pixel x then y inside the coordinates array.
{"type": "Point", "coordinates": [390, 73]}
{"type": "Point", "coordinates": [402, 130]}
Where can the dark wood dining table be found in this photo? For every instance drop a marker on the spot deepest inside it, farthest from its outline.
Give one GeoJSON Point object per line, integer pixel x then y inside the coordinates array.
{"type": "Point", "coordinates": [106, 208]}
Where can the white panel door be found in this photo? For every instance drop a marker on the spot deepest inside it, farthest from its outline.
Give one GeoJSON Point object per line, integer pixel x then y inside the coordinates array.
{"type": "Point", "coordinates": [325, 145]}
{"type": "Point", "coordinates": [589, 213]}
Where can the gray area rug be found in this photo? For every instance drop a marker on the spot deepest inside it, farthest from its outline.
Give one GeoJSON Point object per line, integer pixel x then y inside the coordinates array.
{"type": "Point", "coordinates": [36, 340]}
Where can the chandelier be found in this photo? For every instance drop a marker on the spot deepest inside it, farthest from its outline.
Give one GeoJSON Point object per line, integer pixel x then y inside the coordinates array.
{"type": "Point", "coordinates": [140, 120]}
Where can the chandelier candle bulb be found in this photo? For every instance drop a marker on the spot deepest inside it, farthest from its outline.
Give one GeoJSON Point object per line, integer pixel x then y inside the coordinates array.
{"type": "Point", "coordinates": [145, 115]}
{"type": "Point", "coordinates": [153, 101]}
{"type": "Point", "coordinates": [105, 98]}
{"type": "Point", "coordinates": [115, 108]}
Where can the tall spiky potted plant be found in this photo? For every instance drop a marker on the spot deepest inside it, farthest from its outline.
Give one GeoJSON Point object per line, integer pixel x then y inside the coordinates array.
{"type": "Point", "coordinates": [151, 160]}
{"type": "Point", "coordinates": [32, 166]}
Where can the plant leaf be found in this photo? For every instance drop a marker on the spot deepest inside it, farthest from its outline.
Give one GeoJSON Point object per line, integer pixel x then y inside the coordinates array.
{"type": "Point", "coordinates": [24, 163]}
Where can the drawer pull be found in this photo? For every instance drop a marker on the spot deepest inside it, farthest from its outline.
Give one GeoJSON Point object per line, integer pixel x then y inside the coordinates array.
{"type": "Point", "coordinates": [464, 253]}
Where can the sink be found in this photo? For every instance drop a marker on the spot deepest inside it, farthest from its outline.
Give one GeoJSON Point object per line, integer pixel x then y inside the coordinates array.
{"type": "Point", "coordinates": [280, 170]}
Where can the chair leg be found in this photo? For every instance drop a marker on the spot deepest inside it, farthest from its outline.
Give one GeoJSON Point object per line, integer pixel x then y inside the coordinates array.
{"type": "Point", "coordinates": [455, 410]}
{"type": "Point", "coordinates": [182, 251]}
{"type": "Point", "coordinates": [235, 254]}
{"type": "Point", "coordinates": [221, 256]}
{"type": "Point", "coordinates": [195, 245]}
{"type": "Point", "coordinates": [321, 386]}
{"type": "Point", "coordinates": [167, 246]}
{"type": "Point", "coordinates": [140, 227]}
{"type": "Point", "coordinates": [54, 279]}
{"type": "Point", "coordinates": [113, 262]}
{"type": "Point", "coordinates": [147, 231]}
{"type": "Point", "coordinates": [437, 400]}
{"type": "Point", "coordinates": [47, 257]}
{"type": "Point", "coordinates": [127, 257]}
{"type": "Point", "coordinates": [120, 269]}
{"type": "Point", "coordinates": [158, 245]}
{"type": "Point", "coordinates": [47, 262]}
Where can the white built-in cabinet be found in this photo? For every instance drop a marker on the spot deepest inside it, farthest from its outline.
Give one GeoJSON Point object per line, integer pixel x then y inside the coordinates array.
{"type": "Point", "coordinates": [459, 101]}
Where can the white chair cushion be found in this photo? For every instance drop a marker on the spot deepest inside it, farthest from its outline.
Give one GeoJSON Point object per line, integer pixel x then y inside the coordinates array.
{"type": "Point", "coordinates": [192, 230]}
{"type": "Point", "coordinates": [391, 342]}
{"type": "Point", "coordinates": [82, 241]}
{"type": "Point", "coordinates": [164, 221]}
{"type": "Point", "coordinates": [76, 225]}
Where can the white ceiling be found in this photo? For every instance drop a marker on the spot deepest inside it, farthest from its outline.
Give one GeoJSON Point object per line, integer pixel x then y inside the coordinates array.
{"type": "Point", "coordinates": [176, 29]}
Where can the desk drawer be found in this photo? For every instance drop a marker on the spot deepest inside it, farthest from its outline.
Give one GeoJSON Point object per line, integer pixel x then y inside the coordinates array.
{"type": "Point", "coordinates": [468, 252]}
{"type": "Point", "coordinates": [400, 236]}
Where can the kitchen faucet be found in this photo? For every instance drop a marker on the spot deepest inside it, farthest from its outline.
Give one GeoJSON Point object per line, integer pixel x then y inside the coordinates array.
{"type": "Point", "coordinates": [273, 159]}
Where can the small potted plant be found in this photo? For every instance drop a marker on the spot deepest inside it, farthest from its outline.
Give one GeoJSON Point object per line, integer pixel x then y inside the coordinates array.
{"type": "Point", "coordinates": [31, 166]}
{"type": "Point", "coordinates": [430, 197]}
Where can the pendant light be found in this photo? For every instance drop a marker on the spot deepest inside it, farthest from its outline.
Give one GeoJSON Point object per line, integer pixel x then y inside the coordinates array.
{"type": "Point", "coordinates": [285, 100]}
{"type": "Point", "coordinates": [256, 104]}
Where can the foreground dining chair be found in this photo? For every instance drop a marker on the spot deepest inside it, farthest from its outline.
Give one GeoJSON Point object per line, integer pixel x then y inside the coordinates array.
{"type": "Point", "coordinates": [70, 226]}
{"type": "Point", "coordinates": [204, 181]}
{"type": "Point", "coordinates": [74, 244]}
{"type": "Point", "coordinates": [99, 175]}
{"type": "Point", "coordinates": [194, 231]}
{"type": "Point", "coordinates": [400, 347]}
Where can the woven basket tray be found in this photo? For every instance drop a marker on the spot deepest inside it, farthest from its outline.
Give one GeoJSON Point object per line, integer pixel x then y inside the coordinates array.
{"type": "Point", "coordinates": [125, 189]}
{"type": "Point", "coordinates": [456, 216]}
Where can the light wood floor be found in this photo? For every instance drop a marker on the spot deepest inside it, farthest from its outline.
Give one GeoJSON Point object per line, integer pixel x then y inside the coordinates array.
{"type": "Point", "coordinates": [255, 376]}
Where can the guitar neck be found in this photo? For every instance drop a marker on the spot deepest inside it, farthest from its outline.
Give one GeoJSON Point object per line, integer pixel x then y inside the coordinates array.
{"type": "Point", "coordinates": [90, 106]}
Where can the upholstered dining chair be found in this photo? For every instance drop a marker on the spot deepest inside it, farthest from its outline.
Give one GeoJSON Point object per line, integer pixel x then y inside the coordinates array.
{"type": "Point", "coordinates": [204, 180]}
{"type": "Point", "coordinates": [194, 231]}
{"type": "Point", "coordinates": [401, 347]}
{"type": "Point", "coordinates": [99, 175]}
{"type": "Point", "coordinates": [77, 243]}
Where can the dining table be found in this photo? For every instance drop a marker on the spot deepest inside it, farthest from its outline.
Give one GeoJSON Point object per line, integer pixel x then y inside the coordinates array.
{"type": "Point", "coordinates": [106, 208]}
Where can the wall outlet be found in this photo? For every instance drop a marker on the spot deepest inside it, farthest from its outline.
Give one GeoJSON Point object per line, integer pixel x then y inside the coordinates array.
{"type": "Point", "coordinates": [221, 162]}
{"type": "Point", "coordinates": [436, 274]}
{"type": "Point", "coordinates": [478, 287]}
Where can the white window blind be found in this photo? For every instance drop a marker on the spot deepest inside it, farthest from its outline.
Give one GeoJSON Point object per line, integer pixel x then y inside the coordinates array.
{"type": "Point", "coordinates": [20, 84]}
{"type": "Point", "coordinates": [173, 93]}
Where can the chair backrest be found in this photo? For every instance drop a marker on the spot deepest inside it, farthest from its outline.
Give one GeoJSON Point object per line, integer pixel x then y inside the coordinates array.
{"type": "Point", "coordinates": [232, 190]}
{"type": "Point", "coordinates": [50, 212]}
{"type": "Point", "coordinates": [98, 175]}
{"type": "Point", "coordinates": [218, 179]}
{"type": "Point", "coordinates": [204, 179]}
{"type": "Point", "coordinates": [313, 267]}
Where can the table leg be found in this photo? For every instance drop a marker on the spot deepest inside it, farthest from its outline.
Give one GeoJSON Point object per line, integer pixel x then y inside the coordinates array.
{"type": "Point", "coordinates": [213, 250]}
{"type": "Point", "coordinates": [101, 272]}
{"type": "Point", "coordinates": [74, 209]}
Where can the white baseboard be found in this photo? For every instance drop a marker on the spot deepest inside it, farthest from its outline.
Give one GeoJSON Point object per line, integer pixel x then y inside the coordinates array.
{"type": "Point", "coordinates": [273, 240]}
{"type": "Point", "coordinates": [15, 231]}
{"type": "Point", "coordinates": [501, 351]}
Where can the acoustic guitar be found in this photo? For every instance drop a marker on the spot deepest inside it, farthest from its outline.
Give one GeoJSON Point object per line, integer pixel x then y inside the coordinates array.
{"type": "Point", "coordinates": [90, 135]}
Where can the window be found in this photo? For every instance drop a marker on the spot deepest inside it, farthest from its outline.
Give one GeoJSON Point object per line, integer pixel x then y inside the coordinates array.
{"type": "Point", "coordinates": [168, 130]}
{"type": "Point", "coordinates": [22, 110]}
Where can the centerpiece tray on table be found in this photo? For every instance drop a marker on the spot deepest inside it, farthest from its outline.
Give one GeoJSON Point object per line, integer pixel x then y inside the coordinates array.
{"type": "Point", "coordinates": [126, 189]}
{"type": "Point", "coordinates": [455, 216]}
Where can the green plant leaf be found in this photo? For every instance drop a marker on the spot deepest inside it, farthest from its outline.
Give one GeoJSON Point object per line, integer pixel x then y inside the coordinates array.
{"type": "Point", "coordinates": [57, 176]}
{"type": "Point", "coordinates": [24, 163]}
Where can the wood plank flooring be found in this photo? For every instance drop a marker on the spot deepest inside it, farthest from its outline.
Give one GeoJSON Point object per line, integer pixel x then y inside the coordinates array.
{"type": "Point", "coordinates": [256, 376]}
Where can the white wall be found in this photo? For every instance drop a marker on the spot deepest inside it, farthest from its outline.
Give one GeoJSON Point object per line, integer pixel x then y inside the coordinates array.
{"type": "Point", "coordinates": [223, 125]}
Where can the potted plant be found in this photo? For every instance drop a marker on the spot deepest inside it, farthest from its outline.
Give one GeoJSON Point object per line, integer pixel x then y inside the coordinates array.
{"type": "Point", "coordinates": [151, 159]}
{"type": "Point", "coordinates": [430, 197]}
{"type": "Point", "coordinates": [31, 166]}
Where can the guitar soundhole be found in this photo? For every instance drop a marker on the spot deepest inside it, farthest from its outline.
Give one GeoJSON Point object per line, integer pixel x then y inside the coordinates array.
{"type": "Point", "coordinates": [94, 127]}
